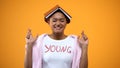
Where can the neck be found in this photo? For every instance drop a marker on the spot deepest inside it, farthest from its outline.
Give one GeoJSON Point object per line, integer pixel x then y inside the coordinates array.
{"type": "Point", "coordinates": [58, 36]}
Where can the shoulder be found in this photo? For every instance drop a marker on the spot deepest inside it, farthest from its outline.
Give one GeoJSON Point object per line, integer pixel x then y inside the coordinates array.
{"type": "Point", "coordinates": [40, 37]}
{"type": "Point", "coordinates": [73, 36]}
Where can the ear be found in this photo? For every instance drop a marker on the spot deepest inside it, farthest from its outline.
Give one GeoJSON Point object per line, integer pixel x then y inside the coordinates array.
{"type": "Point", "coordinates": [48, 21]}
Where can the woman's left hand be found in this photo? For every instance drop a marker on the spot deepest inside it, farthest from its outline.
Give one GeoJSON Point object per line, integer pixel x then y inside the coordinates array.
{"type": "Point", "coordinates": [83, 41]}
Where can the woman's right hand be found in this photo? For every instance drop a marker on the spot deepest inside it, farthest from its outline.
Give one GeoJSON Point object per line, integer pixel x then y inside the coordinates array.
{"type": "Point", "coordinates": [30, 40]}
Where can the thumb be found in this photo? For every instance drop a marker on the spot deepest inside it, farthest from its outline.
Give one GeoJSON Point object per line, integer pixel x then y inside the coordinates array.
{"type": "Point", "coordinates": [78, 38]}
{"type": "Point", "coordinates": [36, 37]}
{"type": "Point", "coordinates": [83, 35]}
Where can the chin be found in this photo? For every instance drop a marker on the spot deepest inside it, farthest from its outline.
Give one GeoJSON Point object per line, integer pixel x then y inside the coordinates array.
{"type": "Point", "coordinates": [57, 33]}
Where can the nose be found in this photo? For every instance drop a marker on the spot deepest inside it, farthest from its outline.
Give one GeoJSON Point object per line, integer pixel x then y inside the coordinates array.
{"type": "Point", "coordinates": [58, 23]}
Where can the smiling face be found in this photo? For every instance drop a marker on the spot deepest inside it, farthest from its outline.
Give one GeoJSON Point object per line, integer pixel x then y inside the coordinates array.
{"type": "Point", "coordinates": [57, 23]}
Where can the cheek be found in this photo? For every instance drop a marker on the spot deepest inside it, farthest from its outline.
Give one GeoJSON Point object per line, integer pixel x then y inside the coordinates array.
{"type": "Point", "coordinates": [51, 25]}
{"type": "Point", "coordinates": [64, 24]}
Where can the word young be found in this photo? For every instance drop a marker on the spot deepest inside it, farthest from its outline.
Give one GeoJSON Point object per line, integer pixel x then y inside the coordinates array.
{"type": "Point", "coordinates": [56, 48]}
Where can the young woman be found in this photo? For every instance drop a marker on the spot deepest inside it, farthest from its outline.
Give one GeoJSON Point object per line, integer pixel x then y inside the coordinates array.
{"type": "Point", "coordinates": [56, 50]}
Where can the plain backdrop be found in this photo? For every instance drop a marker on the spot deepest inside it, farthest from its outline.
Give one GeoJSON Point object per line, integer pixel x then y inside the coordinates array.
{"type": "Point", "coordinates": [100, 19]}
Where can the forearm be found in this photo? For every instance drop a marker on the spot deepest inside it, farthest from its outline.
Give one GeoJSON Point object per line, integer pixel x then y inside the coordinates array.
{"type": "Point", "coordinates": [28, 57]}
{"type": "Point", "coordinates": [84, 58]}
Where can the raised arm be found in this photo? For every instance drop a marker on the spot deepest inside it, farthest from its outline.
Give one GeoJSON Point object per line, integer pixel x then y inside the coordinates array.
{"type": "Point", "coordinates": [29, 46]}
{"type": "Point", "coordinates": [83, 42]}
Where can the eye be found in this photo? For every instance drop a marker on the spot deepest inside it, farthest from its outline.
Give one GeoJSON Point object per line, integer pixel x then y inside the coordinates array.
{"type": "Point", "coordinates": [62, 20]}
{"type": "Point", "coordinates": [54, 20]}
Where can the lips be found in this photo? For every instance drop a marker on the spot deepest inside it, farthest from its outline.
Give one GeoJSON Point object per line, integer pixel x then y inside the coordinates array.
{"type": "Point", "coordinates": [58, 27]}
